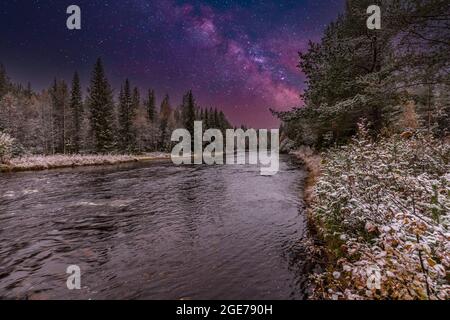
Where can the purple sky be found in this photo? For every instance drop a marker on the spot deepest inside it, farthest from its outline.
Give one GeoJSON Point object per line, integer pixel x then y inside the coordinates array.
{"type": "Point", "coordinates": [238, 56]}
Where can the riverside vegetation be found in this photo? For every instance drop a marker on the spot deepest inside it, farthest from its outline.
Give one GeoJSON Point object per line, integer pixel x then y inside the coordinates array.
{"type": "Point", "coordinates": [377, 111]}
{"type": "Point", "coordinates": [382, 208]}
{"type": "Point", "coordinates": [377, 114]}
{"type": "Point", "coordinates": [57, 127]}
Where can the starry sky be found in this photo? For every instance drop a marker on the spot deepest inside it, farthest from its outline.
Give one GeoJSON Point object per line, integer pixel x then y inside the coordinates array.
{"type": "Point", "coordinates": [238, 56]}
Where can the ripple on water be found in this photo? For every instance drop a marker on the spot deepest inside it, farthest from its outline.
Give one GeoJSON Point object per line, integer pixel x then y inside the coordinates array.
{"type": "Point", "coordinates": [153, 230]}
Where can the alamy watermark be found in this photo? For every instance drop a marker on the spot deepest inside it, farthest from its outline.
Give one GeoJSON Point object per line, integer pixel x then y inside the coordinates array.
{"type": "Point", "coordinates": [373, 278]}
{"type": "Point", "coordinates": [74, 279]}
{"type": "Point", "coordinates": [231, 149]}
{"type": "Point", "coordinates": [374, 20]}
{"type": "Point", "coordinates": [74, 20]}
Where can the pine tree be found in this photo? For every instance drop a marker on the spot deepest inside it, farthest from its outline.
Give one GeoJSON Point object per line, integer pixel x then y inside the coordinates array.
{"type": "Point", "coordinates": [4, 82]}
{"type": "Point", "coordinates": [101, 106]}
{"type": "Point", "coordinates": [211, 120]}
{"type": "Point", "coordinates": [60, 101]}
{"type": "Point", "coordinates": [177, 117]}
{"type": "Point", "coordinates": [165, 117]}
{"type": "Point", "coordinates": [136, 99]}
{"type": "Point", "coordinates": [189, 112]}
{"type": "Point", "coordinates": [197, 114]}
{"type": "Point", "coordinates": [223, 122]}
{"type": "Point", "coordinates": [127, 112]}
{"type": "Point", "coordinates": [216, 120]}
{"type": "Point", "coordinates": [150, 106]}
{"type": "Point", "coordinates": [76, 107]}
{"type": "Point", "coordinates": [206, 125]}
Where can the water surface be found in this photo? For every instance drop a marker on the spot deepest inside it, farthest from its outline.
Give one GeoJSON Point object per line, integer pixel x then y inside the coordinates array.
{"type": "Point", "coordinates": [153, 231]}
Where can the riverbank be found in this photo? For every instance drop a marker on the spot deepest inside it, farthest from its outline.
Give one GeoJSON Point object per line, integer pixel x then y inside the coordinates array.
{"type": "Point", "coordinates": [153, 230]}
{"type": "Point", "coordinates": [312, 162]}
{"type": "Point", "coordinates": [34, 163]}
{"type": "Point", "coordinates": [382, 211]}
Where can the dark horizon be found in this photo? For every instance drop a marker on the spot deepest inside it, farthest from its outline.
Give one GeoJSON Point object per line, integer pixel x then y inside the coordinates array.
{"type": "Point", "coordinates": [240, 57]}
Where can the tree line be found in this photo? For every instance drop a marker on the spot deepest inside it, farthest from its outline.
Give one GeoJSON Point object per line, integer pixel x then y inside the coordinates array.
{"type": "Point", "coordinates": [60, 121]}
{"type": "Point", "coordinates": [396, 78]}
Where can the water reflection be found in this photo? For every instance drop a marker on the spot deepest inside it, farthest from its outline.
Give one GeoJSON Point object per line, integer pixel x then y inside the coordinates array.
{"type": "Point", "coordinates": [153, 231]}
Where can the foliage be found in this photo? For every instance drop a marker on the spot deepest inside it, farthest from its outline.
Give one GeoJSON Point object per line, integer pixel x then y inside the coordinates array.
{"type": "Point", "coordinates": [58, 121]}
{"type": "Point", "coordinates": [188, 112]}
{"type": "Point", "coordinates": [150, 106]}
{"type": "Point", "coordinates": [354, 73]}
{"type": "Point", "coordinates": [6, 147]}
{"type": "Point", "coordinates": [384, 207]}
{"type": "Point", "coordinates": [76, 110]}
{"type": "Point", "coordinates": [128, 106]}
{"type": "Point", "coordinates": [4, 82]}
{"type": "Point", "coordinates": [167, 122]}
{"type": "Point", "coordinates": [100, 102]}
{"type": "Point", "coordinates": [60, 111]}
{"type": "Point", "coordinates": [382, 200]}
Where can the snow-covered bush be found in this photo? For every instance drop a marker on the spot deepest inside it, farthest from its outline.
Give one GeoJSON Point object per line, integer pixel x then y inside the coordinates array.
{"type": "Point", "coordinates": [383, 209]}
{"type": "Point", "coordinates": [6, 147]}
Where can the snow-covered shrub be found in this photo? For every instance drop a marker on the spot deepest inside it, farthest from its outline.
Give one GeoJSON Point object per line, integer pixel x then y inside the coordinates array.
{"type": "Point", "coordinates": [384, 211]}
{"type": "Point", "coordinates": [6, 147]}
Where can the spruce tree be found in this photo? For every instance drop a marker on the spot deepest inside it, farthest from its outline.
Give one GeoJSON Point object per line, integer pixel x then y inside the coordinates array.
{"type": "Point", "coordinates": [76, 108]}
{"type": "Point", "coordinates": [136, 99]}
{"type": "Point", "coordinates": [223, 122]}
{"type": "Point", "coordinates": [150, 106]}
{"type": "Point", "coordinates": [4, 83]}
{"type": "Point", "coordinates": [100, 102]}
{"type": "Point", "coordinates": [216, 119]}
{"type": "Point", "coordinates": [127, 112]}
{"type": "Point", "coordinates": [189, 112]}
{"type": "Point", "coordinates": [165, 116]}
{"type": "Point", "coordinates": [211, 122]}
{"type": "Point", "coordinates": [206, 124]}
{"type": "Point", "coordinates": [136, 105]}
{"type": "Point", "coordinates": [60, 101]}
{"type": "Point", "coordinates": [197, 114]}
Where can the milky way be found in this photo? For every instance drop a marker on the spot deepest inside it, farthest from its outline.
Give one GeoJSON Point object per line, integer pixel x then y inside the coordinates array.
{"type": "Point", "coordinates": [239, 56]}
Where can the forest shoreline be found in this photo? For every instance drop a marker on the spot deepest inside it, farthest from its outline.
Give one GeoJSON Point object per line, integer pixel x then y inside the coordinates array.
{"type": "Point", "coordinates": [372, 237]}
{"type": "Point", "coordinates": [40, 163]}
{"type": "Point", "coordinates": [316, 245]}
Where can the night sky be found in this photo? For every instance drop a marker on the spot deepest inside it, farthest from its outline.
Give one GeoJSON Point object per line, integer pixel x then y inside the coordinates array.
{"type": "Point", "coordinates": [238, 56]}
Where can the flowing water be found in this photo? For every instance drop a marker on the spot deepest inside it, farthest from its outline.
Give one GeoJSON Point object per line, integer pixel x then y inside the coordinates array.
{"type": "Point", "coordinates": [153, 231]}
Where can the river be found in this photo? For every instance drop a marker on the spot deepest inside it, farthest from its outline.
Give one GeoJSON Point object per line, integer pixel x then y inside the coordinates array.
{"type": "Point", "coordinates": [153, 230]}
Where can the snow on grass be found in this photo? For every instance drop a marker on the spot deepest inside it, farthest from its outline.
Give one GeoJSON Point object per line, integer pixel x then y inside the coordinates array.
{"type": "Point", "coordinates": [36, 162]}
{"type": "Point", "coordinates": [383, 209]}
{"type": "Point", "coordinates": [6, 144]}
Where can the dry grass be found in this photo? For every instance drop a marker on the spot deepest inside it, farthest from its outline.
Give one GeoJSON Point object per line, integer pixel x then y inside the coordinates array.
{"type": "Point", "coordinates": [35, 162]}
{"type": "Point", "coordinates": [381, 209]}
{"type": "Point", "coordinates": [312, 162]}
